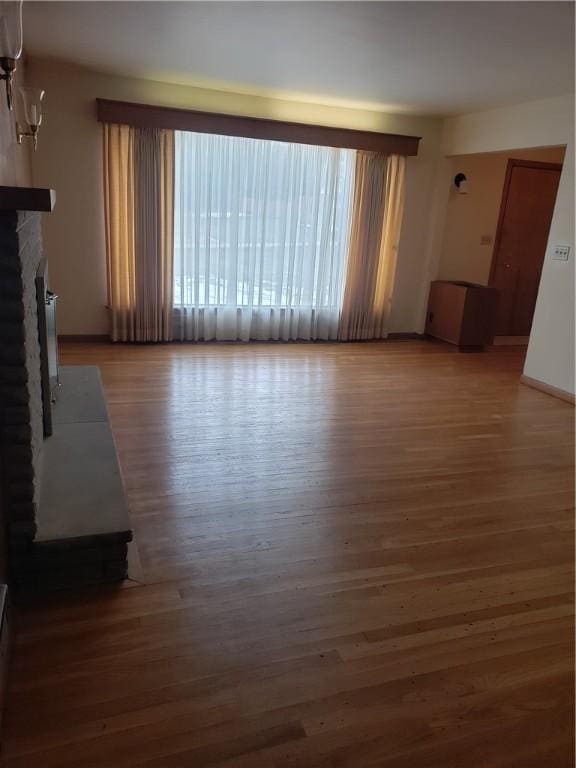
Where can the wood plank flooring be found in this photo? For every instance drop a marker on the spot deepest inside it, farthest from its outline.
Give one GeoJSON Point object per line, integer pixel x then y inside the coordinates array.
{"type": "Point", "coordinates": [351, 556]}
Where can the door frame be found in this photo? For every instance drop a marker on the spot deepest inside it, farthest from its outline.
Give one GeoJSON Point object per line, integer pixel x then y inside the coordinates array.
{"type": "Point", "coordinates": [512, 163]}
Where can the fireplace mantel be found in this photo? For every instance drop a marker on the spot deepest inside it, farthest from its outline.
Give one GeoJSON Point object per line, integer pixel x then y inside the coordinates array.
{"type": "Point", "coordinates": [27, 199]}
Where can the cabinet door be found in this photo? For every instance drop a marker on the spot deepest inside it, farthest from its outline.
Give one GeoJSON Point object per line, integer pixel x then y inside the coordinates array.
{"type": "Point", "coordinates": [445, 311]}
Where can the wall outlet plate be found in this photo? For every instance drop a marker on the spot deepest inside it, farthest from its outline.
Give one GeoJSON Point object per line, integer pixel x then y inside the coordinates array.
{"type": "Point", "coordinates": [561, 252]}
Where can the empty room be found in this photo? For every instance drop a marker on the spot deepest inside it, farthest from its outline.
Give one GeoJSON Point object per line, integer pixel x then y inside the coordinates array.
{"type": "Point", "coordinates": [287, 375]}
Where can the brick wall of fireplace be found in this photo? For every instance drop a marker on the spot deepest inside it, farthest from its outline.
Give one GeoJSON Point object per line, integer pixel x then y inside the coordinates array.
{"type": "Point", "coordinates": [21, 429]}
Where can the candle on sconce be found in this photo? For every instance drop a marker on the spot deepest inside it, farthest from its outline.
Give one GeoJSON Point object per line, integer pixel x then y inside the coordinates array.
{"type": "Point", "coordinates": [32, 103]}
{"type": "Point", "coordinates": [4, 36]}
{"type": "Point", "coordinates": [10, 43]}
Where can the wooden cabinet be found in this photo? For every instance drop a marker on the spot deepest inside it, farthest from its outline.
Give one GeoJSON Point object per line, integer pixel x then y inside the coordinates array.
{"type": "Point", "coordinates": [462, 313]}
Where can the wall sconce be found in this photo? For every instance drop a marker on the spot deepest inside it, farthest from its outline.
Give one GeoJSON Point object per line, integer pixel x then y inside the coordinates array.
{"type": "Point", "coordinates": [10, 52]}
{"type": "Point", "coordinates": [32, 100]}
{"type": "Point", "coordinates": [461, 183]}
{"type": "Point", "coordinates": [10, 42]}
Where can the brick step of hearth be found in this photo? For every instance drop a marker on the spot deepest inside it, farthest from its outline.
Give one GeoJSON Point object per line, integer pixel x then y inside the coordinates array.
{"type": "Point", "coordinates": [82, 520]}
{"type": "Point", "coordinates": [71, 563]}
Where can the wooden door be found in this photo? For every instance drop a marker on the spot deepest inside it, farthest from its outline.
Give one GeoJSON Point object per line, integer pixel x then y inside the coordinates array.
{"type": "Point", "coordinates": [525, 216]}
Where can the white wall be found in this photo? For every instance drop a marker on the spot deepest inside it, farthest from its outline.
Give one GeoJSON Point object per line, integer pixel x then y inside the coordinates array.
{"type": "Point", "coordinates": [543, 123]}
{"type": "Point", "coordinates": [550, 357]}
{"type": "Point", "coordinates": [69, 159]}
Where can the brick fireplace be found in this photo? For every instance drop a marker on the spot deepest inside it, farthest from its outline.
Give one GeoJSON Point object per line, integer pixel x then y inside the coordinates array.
{"type": "Point", "coordinates": [65, 511]}
{"type": "Point", "coordinates": [22, 434]}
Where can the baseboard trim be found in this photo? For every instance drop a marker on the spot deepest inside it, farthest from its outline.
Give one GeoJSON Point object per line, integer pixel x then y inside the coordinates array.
{"type": "Point", "coordinates": [548, 389]}
{"type": "Point", "coordinates": [84, 337]}
{"type": "Point", "coordinates": [406, 336]}
{"type": "Point", "coordinates": [100, 338]}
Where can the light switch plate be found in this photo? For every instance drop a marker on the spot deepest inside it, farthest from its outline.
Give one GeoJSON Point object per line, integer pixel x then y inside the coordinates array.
{"type": "Point", "coordinates": [561, 252]}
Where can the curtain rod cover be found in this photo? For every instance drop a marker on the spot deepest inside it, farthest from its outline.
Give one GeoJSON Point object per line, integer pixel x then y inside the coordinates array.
{"type": "Point", "coordinates": [151, 116]}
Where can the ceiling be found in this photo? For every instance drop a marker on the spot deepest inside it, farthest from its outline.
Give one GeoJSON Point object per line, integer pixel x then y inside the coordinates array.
{"type": "Point", "coordinates": [433, 58]}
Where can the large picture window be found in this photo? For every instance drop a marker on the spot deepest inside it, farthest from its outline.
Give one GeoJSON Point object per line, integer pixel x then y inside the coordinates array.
{"type": "Point", "coordinates": [248, 235]}
{"type": "Point", "coordinates": [261, 231]}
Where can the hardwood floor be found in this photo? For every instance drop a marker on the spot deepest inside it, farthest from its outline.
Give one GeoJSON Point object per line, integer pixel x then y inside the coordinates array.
{"type": "Point", "coordinates": [350, 556]}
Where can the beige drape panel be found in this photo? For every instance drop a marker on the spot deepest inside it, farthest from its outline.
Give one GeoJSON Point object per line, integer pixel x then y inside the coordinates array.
{"type": "Point", "coordinates": [119, 221]}
{"type": "Point", "coordinates": [139, 215]}
{"type": "Point", "coordinates": [375, 231]}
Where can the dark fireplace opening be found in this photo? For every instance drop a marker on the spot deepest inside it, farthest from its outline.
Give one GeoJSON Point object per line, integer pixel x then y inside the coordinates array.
{"type": "Point", "coordinates": [48, 338]}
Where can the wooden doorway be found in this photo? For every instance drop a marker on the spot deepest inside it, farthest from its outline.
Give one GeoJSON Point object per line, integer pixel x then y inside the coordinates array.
{"type": "Point", "coordinates": [526, 211]}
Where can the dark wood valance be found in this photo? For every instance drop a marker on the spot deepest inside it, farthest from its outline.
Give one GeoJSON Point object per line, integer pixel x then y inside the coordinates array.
{"type": "Point", "coordinates": [149, 116]}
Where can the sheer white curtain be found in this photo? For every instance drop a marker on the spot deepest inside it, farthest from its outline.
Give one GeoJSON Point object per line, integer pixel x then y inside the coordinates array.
{"type": "Point", "coordinates": [261, 234]}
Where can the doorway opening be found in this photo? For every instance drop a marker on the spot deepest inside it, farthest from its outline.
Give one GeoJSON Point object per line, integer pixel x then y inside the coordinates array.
{"type": "Point", "coordinates": [496, 233]}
